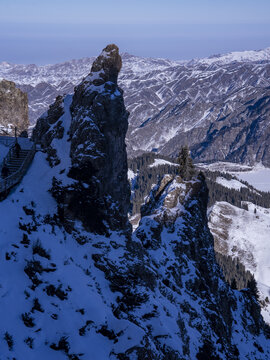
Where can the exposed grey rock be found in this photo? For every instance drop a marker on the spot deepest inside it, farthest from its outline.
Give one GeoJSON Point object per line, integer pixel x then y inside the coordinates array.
{"type": "Point", "coordinates": [45, 131]}
{"type": "Point", "coordinates": [13, 108]}
{"type": "Point", "coordinates": [97, 132]}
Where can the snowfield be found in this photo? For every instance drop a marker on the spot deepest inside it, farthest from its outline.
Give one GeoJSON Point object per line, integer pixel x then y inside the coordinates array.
{"type": "Point", "coordinates": [237, 56]}
{"type": "Point", "coordinates": [230, 184]}
{"type": "Point", "coordinates": [158, 162]}
{"type": "Point", "coordinates": [258, 176]}
{"type": "Point", "coordinates": [246, 236]}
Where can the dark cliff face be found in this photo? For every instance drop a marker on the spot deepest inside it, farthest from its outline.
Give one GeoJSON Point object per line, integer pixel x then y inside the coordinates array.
{"type": "Point", "coordinates": [98, 131]}
{"type": "Point", "coordinates": [96, 136]}
{"type": "Point", "coordinates": [13, 108]}
{"type": "Point", "coordinates": [174, 233]}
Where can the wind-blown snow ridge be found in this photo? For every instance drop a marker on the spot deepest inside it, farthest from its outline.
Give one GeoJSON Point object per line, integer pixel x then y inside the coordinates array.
{"type": "Point", "coordinates": [236, 56]}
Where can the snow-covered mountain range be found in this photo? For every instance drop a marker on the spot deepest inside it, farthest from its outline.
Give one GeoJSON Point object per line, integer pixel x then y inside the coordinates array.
{"type": "Point", "coordinates": [44, 83]}
{"type": "Point", "coordinates": [219, 105]}
{"type": "Point", "coordinates": [236, 56]}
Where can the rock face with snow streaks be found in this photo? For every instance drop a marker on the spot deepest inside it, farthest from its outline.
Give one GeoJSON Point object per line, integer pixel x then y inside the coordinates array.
{"type": "Point", "coordinates": [180, 250]}
{"type": "Point", "coordinates": [13, 108]}
{"type": "Point", "coordinates": [97, 145]}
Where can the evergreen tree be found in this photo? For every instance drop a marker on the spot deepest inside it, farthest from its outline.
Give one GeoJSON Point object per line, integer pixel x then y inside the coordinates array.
{"type": "Point", "coordinates": [233, 284]}
{"type": "Point", "coordinates": [186, 167]}
{"type": "Point", "coordinates": [252, 286]}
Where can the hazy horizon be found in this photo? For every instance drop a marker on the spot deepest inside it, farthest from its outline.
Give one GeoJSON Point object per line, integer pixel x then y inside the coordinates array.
{"type": "Point", "coordinates": [122, 52]}
{"type": "Point", "coordinates": [57, 31]}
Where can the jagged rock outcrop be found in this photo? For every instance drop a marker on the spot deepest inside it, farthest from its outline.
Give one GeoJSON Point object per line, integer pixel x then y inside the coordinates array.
{"type": "Point", "coordinates": [13, 109]}
{"type": "Point", "coordinates": [96, 134]}
{"type": "Point", "coordinates": [174, 232]}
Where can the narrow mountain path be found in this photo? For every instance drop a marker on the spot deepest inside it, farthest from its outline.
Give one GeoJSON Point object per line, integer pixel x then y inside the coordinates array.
{"type": "Point", "coordinates": [17, 165]}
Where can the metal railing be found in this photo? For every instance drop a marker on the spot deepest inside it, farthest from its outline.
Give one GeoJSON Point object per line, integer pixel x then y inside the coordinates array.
{"type": "Point", "coordinates": [15, 178]}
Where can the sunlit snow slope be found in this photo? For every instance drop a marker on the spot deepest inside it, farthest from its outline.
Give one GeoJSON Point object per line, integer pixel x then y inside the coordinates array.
{"type": "Point", "coordinates": [246, 235]}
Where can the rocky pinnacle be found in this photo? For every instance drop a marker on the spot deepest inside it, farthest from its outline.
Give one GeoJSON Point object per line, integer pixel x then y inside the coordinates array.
{"type": "Point", "coordinates": [96, 138]}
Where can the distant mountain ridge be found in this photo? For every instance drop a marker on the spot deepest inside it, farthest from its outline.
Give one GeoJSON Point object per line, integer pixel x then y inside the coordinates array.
{"type": "Point", "coordinates": [237, 56]}
{"type": "Point", "coordinates": [218, 105]}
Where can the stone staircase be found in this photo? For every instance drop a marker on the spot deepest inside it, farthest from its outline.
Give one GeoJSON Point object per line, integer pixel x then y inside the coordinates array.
{"type": "Point", "coordinates": [15, 163]}
{"type": "Point", "coordinates": [17, 166]}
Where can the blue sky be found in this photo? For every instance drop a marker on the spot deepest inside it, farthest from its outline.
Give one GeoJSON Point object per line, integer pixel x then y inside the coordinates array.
{"type": "Point", "coordinates": [56, 30]}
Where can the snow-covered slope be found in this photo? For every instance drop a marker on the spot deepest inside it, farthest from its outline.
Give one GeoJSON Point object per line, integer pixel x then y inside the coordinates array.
{"type": "Point", "coordinates": [237, 56]}
{"type": "Point", "coordinates": [246, 235]}
{"type": "Point", "coordinates": [231, 184]}
{"type": "Point", "coordinates": [257, 176]}
{"type": "Point", "coordinates": [68, 308]}
{"type": "Point", "coordinates": [159, 162]}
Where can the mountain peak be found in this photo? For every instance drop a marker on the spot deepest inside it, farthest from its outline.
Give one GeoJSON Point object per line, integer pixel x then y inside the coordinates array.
{"type": "Point", "coordinates": [236, 56]}
{"type": "Point", "coordinates": [106, 67]}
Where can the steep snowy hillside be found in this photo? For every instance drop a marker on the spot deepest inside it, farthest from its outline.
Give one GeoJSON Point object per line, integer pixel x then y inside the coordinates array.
{"type": "Point", "coordinates": [245, 234]}
{"type": "Point", "coordinates": [75, 283]}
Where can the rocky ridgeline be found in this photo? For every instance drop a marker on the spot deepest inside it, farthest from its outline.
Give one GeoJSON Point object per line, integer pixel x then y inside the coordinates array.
{"type": "Point", "coordinates": [96, 136]}
{"type": "Point", "coordinates": [13, 108]}
{"type": "Point", "coordinates": [88, 288]}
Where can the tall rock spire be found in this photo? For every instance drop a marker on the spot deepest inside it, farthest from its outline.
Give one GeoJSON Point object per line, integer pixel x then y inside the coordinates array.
{"type": "Point", "coordinates": [97, 131]}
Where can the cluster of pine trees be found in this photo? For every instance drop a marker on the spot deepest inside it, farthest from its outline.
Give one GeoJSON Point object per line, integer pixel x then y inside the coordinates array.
{"type": "Point", "coordinates": [234, 272]}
